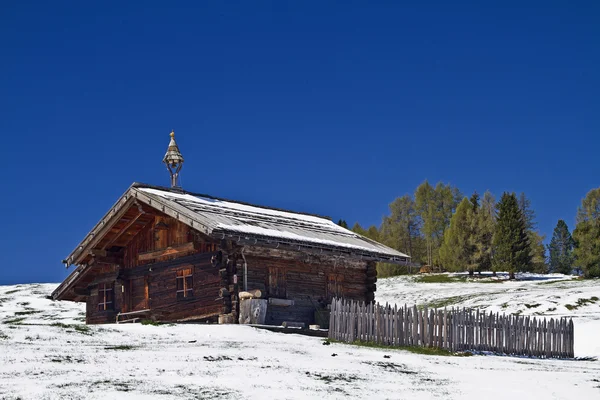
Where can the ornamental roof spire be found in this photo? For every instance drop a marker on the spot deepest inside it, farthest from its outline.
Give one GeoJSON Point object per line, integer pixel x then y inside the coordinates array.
{"type": "Point", "coordinates": [173, 160]}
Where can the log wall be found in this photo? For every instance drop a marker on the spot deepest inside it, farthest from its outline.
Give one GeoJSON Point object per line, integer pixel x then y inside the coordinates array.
{"type": "Point", "coordinates": [150, 281]}
{"type": "Point", "coordinates": [310, 281]}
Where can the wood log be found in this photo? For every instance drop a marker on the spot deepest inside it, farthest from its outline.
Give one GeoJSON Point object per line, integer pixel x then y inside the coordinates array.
{"type": "Point", "coordinates": [251, 294]}
{"type": "Point", "coordinates": [169, 251]}
{"type": "Point", "coordinates": [293, 324]}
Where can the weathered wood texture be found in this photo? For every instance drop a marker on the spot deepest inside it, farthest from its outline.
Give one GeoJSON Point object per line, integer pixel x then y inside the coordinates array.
{"type": "Point", "coordinates": [253, 311]}
{"type": "Point", "coordinates": [305, 280]}
{"type": "Point", "coordinates": [164, 239]}
{"type": "Point", "coordinates": [137, 286]}
{"type": "Point", "coordinates": [205, 301]}
{"type": "Point", "coordinates": [454, 329]}
{"type": "Point", "coordinates": [156, 290]}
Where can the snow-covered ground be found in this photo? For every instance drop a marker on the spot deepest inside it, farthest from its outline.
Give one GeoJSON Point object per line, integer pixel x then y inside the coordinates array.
{"type": "Point", "coordinates": [46, 352]}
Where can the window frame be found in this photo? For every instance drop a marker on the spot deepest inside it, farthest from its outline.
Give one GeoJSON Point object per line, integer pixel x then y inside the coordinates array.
{"type": "Point", "coordinates": [186, 277]}
{"type": "Point", "coordinates": [106, 297]}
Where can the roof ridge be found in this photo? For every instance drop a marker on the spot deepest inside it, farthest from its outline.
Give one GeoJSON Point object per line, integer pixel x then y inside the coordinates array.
{"type": "Point", "coordinates": [181, 191]}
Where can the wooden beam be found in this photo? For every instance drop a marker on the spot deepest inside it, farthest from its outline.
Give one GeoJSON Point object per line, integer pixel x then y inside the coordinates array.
{"type": "Point", "coordinates": [133, 221]}
{"type": "Point", "coordinates": [119, 260]}
{"type": "Point", "coordinates": [195, 259]}
{"type": "Point", "coordinates": [98, 252]}
{"type": "Point", "coordinates": [169, 251]}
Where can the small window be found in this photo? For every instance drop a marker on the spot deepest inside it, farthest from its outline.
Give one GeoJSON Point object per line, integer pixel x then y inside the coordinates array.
{"type": "Point", "coordinates": [105, 297]}
{"type": "Point", "coordinates": [185, 283]}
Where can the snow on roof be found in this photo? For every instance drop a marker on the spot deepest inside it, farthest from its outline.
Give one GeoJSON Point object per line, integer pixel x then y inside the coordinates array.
{"type": "Point", "coordinates": [233, 218]}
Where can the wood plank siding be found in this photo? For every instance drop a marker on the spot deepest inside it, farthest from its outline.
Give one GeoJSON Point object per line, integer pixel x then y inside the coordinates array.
{"type": "Point", "coordinates": [147, 278]}
{"type": "Point", "coordinates": [310, 282]}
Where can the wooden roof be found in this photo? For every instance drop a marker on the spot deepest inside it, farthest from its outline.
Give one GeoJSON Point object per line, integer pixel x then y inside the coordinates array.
{"type": "Point", "coordinates": [242, 222]}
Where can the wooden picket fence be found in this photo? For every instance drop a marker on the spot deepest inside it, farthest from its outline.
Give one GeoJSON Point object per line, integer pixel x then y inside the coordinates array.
{"type": "Point", "coordinates": [451, 329]}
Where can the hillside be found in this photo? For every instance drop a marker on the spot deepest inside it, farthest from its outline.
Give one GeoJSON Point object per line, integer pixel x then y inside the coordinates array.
{"type": "Point", "coordinates": [47, 352]}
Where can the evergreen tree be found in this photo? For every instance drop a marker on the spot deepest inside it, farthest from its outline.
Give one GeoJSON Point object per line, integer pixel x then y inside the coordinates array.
{"type": "Point", "coordinates": [512, 250]}
{"type": "Point", "coordinates": [343, 223]}
{"type": "Point", "coordinates": [456, 252]}
{"type": "Point", "coordinates": [587, 235]}
{"type": "Point", "coordinates": [357, 228]}
{"type": "Point", "coordinates": [536, 240]}
{"type": "Point", "coordinates": [561, 249]}
{"type": "Point", "coordinates": [484, 233]}
{"type": "Point", "coordinates": [528, 213]}
{"type": "Point", "coordinates": [474, 201]}
{"type": "Point", "coordinates": [373, 233]}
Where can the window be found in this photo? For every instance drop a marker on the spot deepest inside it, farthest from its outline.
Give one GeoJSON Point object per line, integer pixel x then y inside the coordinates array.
{"type": "Point", "coordinates": [185, 283]}
{"type": "Point", "coordinates": [277, 285]}
{"type": "Point", "coordinates": [105, 297]}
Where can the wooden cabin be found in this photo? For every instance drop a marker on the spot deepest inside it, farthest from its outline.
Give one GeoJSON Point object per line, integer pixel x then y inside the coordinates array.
{"type": "Point", "coordinates": [169, 255]}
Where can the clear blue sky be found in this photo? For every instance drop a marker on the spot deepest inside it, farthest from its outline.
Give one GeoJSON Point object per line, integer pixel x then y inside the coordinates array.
{"type": "Point", "coordinates": [334, 108]}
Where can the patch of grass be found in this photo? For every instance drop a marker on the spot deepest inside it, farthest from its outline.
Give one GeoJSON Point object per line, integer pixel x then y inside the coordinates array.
{"type": "Point", "coordinates": [150, 322]}
{"type": "Point", "coordinates": [553, 281]}
{"type": "Point", "coordinates": [430, 351]}
{"type": "Point", "coordinates": [551, 309]}
{"type": "Point", "coordinates": [28, 312]}
{"type": "Point", "coordinates": [14, 321]}
{"type": "Point", "coordinates": [120, 347]}
{"type": "Point", "coordinates": [504, 305]}
{"type": "Point", "coordinates": [24, 304]}
{"type": "Point", "coordinates": [532, 305]}
{"type": "Point", "coordinates": [120, 386]}
{"type": "Point", "coordinates": [447, 301]}
{"type": "Point", "coordinates": [219, 358]}
{"type": "Point", "coordinates": [66, 359]}
{"type": "Point", "coordinates": [76, 327]}
{"type": "Point", "coordinates": [391, 367]}
{"type": "Point", "coordinates": [3, 336]}
{"type": "Point", "coordinates": [439, 278]}
{"type": "Point", "coordinates": [12, 291]}
{"type": "Point", "coordinates": [334, 377]}
{"type": "Point", "coordinates": [581, 303]}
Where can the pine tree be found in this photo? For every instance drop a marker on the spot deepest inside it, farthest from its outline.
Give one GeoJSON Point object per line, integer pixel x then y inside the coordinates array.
{"type": "Point", "coordinates": [343, 223]}
{"type": "Point", "coordinates": [587, 235]}
{"type": "Point", "coordinates": [536, 240]}
{"type": "Point", "coordinates": [484, 232]}
{"type": "Point", "coordinates": [512, 250]}
{"type": "Point", "coordinates": [528, 212]}
{"type": "Point", "coordinates": [561, 249]}
{"type": "Point", "coordinates": [357, 228]}
{"type": "Point", "coordinates": [456, 252]}
{"type": "Point", "coordinates": [373, 233]}
{"type": "Point", "coordinates": [474, 201]}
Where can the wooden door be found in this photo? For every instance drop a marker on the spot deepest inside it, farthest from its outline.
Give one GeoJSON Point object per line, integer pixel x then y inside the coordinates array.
{"type": "Point", "coordinates": [138, 294]}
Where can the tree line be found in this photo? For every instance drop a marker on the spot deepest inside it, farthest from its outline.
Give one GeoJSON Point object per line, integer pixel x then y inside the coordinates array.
{"type": "Point", "coordinates": [438, 226]}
